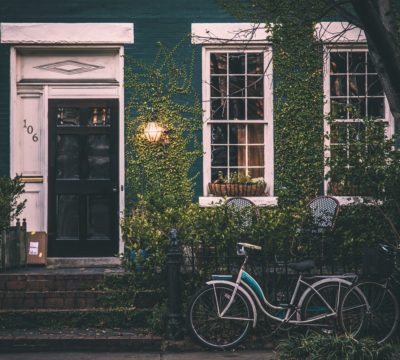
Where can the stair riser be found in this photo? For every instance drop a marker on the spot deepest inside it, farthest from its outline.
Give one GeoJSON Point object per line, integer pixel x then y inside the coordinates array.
{"type": "Point", "coordinates": [127, 319]}
{"type": "Point", "coordinates": [48, 282]}
{"type": "Point", "coordinates": [75, 300]}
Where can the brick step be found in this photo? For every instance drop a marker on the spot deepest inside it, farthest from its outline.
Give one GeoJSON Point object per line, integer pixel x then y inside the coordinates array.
{"type": "Point", "coordinates": [49, 282]}
{"type": "Point", "coordinates": [124, 318]}
{"type": "Point", "coordinates": [64, 339]}
{"type": "Point", "coordinates": [77, 299]}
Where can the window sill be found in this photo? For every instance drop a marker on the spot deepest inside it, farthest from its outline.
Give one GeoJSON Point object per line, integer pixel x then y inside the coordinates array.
{"type": "Point", "coordinates": [264, 201]}
{"type": "Point", "coordinates": [207, 201]}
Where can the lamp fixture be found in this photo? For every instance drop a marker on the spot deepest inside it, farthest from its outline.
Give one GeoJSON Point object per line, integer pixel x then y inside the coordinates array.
{"type": "Point", "coordinates": [153, 132]}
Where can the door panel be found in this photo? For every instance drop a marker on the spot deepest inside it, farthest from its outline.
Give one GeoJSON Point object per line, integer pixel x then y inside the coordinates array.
{"type": "Point", "coordinates": [83, 178]}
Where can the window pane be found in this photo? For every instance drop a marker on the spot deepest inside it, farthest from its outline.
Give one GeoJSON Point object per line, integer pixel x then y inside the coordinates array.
{"type": "Point", "coordinates": [236, 109]}
{"type": "Point", "coordinates": [237, 63]}
{"type": "Point", "coordinates": [68, 116]}
{"type": "Point", "coordinates": [338, 62]}
{"type": "Point", "coordinates": [356, 85]}
{"type": "Point", "coordinates": [357, 108]}
{"type": "Point", "coordinates": [357, 62]}
{"type": "Point", "coordinates": [237, 156]}
{"type": "Point", "coordinates": [218, 86]}
{"type": "Point", "coordinates": [100, 116]}
{"type": "Point", "coordinates": [98, 225]}
{"type": "Point", "coordinates": [215, 173]}
{"type": "Point", "coordinates": [219, 134]}
{"type": "Point", "coordinates": [237, 134]}
{"type": "Point", "coordinates": [98, 156]}
{"type": "Point", "coordinates": [255, 109]}
{"type": "Point", "coordinates": [255, 63]}
{"type": "Point", "coordinates": [338, 85]}
{"type": "Point", "coordinates": [371, 66]}
{"type": "Point", "coordinates": [256, 155]}
{"type": "Point", "coordinates": [338, 133]}
{"type": "Point", "coordinates": [218, 111]}
{"type": "Point", "coordinates": [256, 173]}
{"type": "Point", "coordinates": [255, 86]}
{"type": "Point", "coordinates": [236, 86]}
{"type": "Point", "coordinates": [255, 134]}
{"type": "Point", "coordinates": [376, 108]}
{"type": "Point", "coordinates": [374, 86]}
{"type": "Point", "coordinates": [356, 132]}
{"type": "Point", "coordinates": [338, 108]}
{"type": "Point", "coordinates": [219, 155]}
{"type": "Point", "coordinates": [67, 217]}
{"type": "Point", "coordinates": [218, 63]}
{"type": "Point", "coordinates": [67, 155]}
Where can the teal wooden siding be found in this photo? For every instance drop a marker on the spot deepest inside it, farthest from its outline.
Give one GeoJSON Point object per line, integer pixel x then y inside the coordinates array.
{"type": "Point", "coordinates": [166, 21]}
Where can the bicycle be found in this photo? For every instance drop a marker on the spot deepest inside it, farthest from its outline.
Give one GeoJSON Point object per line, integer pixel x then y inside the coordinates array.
{"type": "Point", "coordinates": [379, 317]}
{"type": "Point", "coordinates": [221, 314]}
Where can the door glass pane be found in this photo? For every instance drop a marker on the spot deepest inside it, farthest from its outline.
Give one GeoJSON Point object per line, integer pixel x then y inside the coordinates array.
{"type": "Point", "coordinates": [67, 157]}
{"type": "Point", "coordinates": [98, 156]}
{"type": "Point", "coordinates": [67, 217]}
{"type": "Point", "coordinates": [100, 116]}
{"type": "Point", "coordinates": [68, 116]}
{"type": "Point", "coordinates": [98, 225]}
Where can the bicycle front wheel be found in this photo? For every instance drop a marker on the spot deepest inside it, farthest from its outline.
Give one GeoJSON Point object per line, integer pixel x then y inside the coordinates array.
{"type": "Point", "coordinates": [381, 315]}
{"type": "Point", "coordinates": [207, 325]}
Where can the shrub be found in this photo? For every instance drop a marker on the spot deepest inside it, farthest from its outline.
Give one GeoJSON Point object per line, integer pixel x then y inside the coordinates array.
{"type": "Point", "coordinates": [10, 207]}
{"type": "Point", "coordinates": [332, 347]}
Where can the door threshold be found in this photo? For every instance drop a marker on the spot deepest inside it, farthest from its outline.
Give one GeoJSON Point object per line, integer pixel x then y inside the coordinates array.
{"type": "Point", "coordinates": [75, 262]}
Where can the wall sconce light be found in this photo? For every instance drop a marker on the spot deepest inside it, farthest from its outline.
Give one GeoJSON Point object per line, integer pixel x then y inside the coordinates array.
{"type": "Point", "coordinates": [153, 132]}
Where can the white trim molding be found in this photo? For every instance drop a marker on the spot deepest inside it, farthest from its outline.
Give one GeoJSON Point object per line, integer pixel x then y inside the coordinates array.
{"type": "Point", "coordinates": [261, 201]}
{"type": "Point", "coordinates": [66, 33]}
{"type": "Point", "coordinates": [231, 33]}
{"type": "Point", "coordinates": [339, 32]}
{"type": "Point", "coordinates": [223, 33]}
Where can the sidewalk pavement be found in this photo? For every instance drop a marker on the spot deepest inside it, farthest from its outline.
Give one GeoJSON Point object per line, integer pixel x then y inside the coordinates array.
{"type": "Point", "coordinates": [234, 355]}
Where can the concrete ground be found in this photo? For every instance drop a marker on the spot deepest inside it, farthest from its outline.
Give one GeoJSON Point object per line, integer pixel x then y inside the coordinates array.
{"type": "Point", "coordinates": [227, 355]}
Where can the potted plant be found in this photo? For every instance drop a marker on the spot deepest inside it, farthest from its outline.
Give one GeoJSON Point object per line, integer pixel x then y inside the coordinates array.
{"type": "Point", "coordinates": [237, 185]}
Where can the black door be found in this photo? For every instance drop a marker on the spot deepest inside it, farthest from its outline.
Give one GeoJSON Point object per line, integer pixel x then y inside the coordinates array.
{"type": "Point", "coordinates": [83, 178]}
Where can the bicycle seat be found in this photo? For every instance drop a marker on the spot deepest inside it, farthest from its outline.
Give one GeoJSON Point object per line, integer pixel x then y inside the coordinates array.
{"type": "Point", "coordinates": [301, 266]}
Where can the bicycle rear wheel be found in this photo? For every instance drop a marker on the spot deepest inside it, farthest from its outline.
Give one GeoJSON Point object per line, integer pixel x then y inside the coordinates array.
{"type": "Point", "coordinates": [212, 330]}
{"type": "Point", "coordinates": [381, 316]}
{"type": "Point", "coordinates": [321, 306]}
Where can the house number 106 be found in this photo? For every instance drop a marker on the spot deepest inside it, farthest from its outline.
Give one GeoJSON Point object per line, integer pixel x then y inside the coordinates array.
{"type": "Point", "coordinates": [29, 130]}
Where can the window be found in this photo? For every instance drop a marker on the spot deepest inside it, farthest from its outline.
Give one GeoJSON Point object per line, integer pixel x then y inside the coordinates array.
{"type": "Point", "coordinates": [237, 98]}
{"type": "Point", "coordinates": [353, 93]}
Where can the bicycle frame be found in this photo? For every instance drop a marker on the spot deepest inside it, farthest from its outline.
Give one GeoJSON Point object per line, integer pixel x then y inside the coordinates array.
{"type": "Point", "coordinates": [250, 288]}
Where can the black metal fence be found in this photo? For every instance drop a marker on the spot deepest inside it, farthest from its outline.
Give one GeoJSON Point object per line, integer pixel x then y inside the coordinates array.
{"type": "Point", "coordinates": [270, 266]}
{"type": "Point", "coordinates": [13, 246]}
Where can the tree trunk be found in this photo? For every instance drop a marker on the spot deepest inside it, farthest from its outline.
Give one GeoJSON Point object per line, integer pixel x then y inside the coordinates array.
{"type": "Point", "coordinates": [378, 19]}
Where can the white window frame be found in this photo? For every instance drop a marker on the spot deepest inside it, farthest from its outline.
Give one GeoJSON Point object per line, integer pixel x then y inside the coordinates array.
{"type": "Point", "coordinates": [388, 117]}
{"type": "Point", "coordinates": [268, 116]}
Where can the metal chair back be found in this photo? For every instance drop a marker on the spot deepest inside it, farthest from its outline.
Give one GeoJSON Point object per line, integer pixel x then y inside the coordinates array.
{"type": "Point", "coordinates": [245, 207]}
{"type": "Point", "coordinates": [324, 211]}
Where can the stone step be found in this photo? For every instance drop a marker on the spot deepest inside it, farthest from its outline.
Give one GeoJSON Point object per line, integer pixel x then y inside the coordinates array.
{"type": "Point", "coordinates": [64, 339]}
{"type": "Point", "coordinates": [77, 299]}
{"type": "Point", "coordinates": [49, 282]}
{"type": "Point", "coordinates": [124, 318]}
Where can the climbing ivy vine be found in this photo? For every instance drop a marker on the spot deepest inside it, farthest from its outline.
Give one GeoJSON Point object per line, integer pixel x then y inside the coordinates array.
{"type": "Point", "coordinates": [159, 173]}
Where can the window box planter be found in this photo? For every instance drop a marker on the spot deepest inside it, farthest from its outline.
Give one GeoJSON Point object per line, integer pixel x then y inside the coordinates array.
{"type": "Point", "coordinates": [231, 189]}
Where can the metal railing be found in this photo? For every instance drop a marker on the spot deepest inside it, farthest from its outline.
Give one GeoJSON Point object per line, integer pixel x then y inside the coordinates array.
{"type": "Point", "coordinates": [13, 246]}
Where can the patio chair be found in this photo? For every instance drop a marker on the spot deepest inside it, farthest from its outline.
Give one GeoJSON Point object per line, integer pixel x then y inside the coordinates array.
{"type": "Point", "coordinates": [246, 208]}
{"type": "Point", "coordinates": [324, 212]}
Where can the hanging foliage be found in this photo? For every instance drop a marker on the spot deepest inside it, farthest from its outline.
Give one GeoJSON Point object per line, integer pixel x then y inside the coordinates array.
{"type": "Point", "coordinates": [159, 172]}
